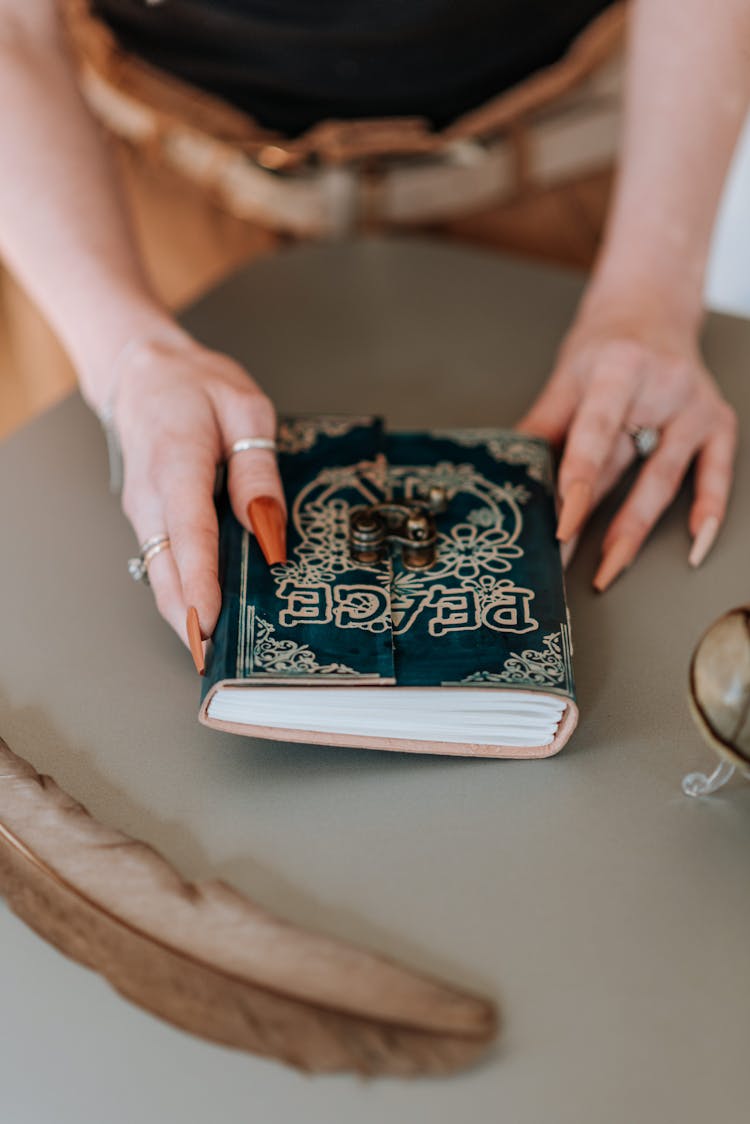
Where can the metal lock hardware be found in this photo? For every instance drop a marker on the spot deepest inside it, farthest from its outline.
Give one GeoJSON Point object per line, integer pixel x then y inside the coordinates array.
{"type": "Point", "coordinates": [411, 525]}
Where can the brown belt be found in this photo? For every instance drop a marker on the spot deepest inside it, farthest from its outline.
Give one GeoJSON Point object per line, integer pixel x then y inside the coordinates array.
{"type": "Point", "coordinates": [338, 175]}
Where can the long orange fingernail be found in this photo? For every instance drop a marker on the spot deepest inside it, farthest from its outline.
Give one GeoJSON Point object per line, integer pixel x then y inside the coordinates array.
{"type": "Point", "coordinates": [575, 507]}
{"type": "Point", "coordinates": [195, 640]}
{"type": "Point", "coordinates": [267, 517]}
{"type": "Point", "coordinates": [704, 540]}
{"type": "Point", "coordinates": [619, 556]}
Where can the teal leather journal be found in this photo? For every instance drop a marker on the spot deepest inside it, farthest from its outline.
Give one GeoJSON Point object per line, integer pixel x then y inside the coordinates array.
{"type": "Point", "coordinates": [422, 606]}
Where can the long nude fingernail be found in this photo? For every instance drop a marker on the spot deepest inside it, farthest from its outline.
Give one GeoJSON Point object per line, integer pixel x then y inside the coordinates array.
{"type": "Point", "coordinates": [619, 556]}
{"type": "Point", "coordinates": [267, 517]}
{"type": "Point", "coordinates": [195, 640]}
{"type": "Point", "coordinates": [567, 550]}
{"type": "Point", "coordinates": [575, 507]}
{"type": "Point", "coordinates": [704, 540]}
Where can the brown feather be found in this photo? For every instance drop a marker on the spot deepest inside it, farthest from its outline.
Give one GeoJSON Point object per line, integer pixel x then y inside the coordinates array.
{"type": "Point", "coordinates": [208, 959]}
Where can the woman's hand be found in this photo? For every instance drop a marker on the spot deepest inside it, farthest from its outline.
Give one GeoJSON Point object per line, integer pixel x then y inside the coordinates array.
{"type": "Point", "coordinates": [178, 409]}
{"type": "Point", "coordinates": [619, 370]}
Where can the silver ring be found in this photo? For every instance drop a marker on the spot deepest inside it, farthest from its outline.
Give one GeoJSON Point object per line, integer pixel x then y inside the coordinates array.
{"type": "Point", "coordinates": [645, 438]}
{"type": "Point", "coordinates": [246, 443]}
{"type": "Point", "coordinates": [138, 567]}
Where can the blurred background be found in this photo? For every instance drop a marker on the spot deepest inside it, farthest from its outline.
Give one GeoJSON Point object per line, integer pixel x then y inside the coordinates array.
{"type": "Point", "coordinates": [34, 372]}
{"type": "Point", "coordinates": [728, 282]}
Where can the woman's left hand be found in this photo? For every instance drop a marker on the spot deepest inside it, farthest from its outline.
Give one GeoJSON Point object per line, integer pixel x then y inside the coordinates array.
{"type": "Point", "coordinates": [618, 371]}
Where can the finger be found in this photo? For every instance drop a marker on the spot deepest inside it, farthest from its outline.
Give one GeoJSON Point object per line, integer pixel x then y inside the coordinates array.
{"type": "Point", "coordinates": [656, 486]}
{"type": "Point", "coordinates": [592, 437]}
{"type": "Point", "coordinates": [713, 482]}
{"type": "Point", "coordinates": [621, 459]}
{"type": "Point", "coordinates": [165, 583]}
{"type": "Point", "coordinates": [550, 414]}
{"type": "Point", "coordinates": [143, 508]}
{"type": "Point", "coordinates": [186, 481]}
{"type": "Point", "coordinates": [255, 488]}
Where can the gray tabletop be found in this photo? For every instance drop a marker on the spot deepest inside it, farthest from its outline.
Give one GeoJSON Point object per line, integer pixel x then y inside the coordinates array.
{"type": "Point", "coordinates": [608, 914]}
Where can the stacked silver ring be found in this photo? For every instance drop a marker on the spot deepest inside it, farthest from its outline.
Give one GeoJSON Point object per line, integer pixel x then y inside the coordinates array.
{"type": "Point", "coordinates": [138, 567]}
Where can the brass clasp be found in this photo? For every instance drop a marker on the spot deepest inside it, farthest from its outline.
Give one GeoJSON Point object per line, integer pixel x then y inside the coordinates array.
{"type": "Point", "coordinates": [411, 525]}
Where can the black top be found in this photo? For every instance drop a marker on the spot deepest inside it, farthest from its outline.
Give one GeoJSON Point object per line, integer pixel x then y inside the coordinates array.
{"type": "Point", "coordinates": [291, 63]}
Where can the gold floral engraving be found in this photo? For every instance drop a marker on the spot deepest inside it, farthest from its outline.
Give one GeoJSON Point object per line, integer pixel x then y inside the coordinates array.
{"type": "Point", "coordinates": [470, 587]}
{"type": "Point", "coordinates": [271, 655]}
{"type": "Point", "coordinates": [506, 446]}
{"type": "Point", "coordinates": [548, 667]}
{"type": "Point", "coordinates": [465, 589]}
{"type": "Point", "coordinates": [297, 435]}
{"type": "Point", "coordinates": [312, 584]}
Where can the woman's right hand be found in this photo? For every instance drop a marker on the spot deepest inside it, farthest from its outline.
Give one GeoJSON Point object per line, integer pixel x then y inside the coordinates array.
{"type": "Point", "coordinates": [178, 409]}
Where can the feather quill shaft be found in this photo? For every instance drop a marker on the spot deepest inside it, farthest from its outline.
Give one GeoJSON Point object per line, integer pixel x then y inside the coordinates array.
{"type": "Point", "coordinates": [209, 960]}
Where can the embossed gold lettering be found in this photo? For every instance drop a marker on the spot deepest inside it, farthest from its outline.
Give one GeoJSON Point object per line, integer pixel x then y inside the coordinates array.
{"type": "Point", "coordinates": [406, 609]}
{"type": "Point", "coordinates": [306, 604]}
{"type": "Point", "coordinates": [456, 610]}
{"type": "Point", "coordinates": [511, 611]}
{"type": "Point", "coordinates": [361, 606]}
